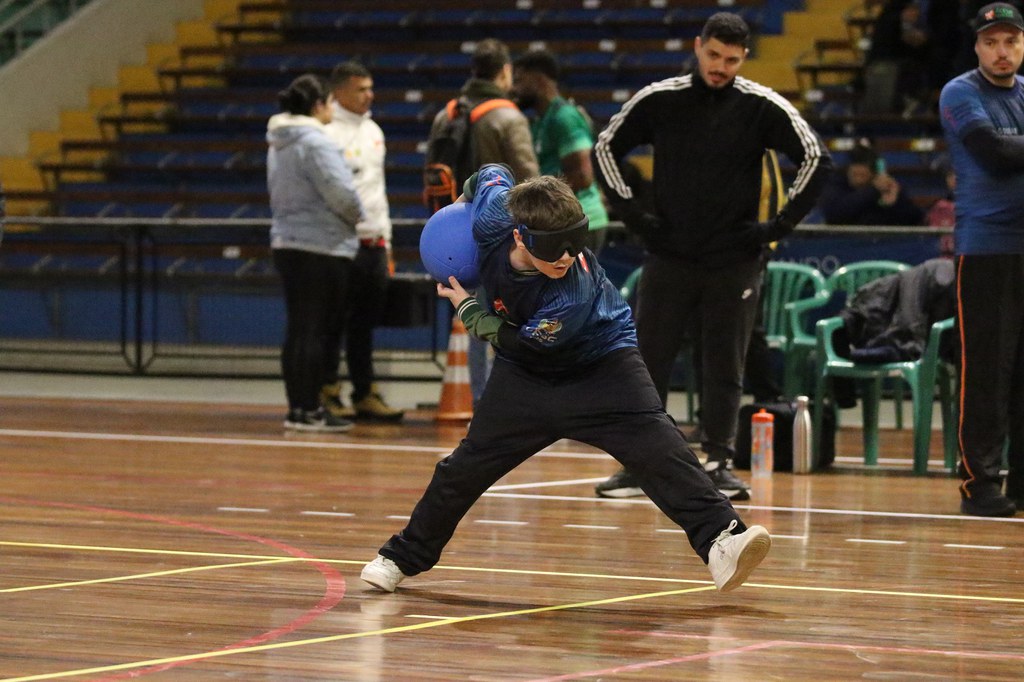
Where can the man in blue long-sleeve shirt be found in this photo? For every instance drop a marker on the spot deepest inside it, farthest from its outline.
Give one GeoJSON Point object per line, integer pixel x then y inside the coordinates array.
{"type": "Point", "coordinates": [983, 117]}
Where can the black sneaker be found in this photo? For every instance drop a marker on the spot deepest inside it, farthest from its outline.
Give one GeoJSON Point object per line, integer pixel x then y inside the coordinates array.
{"type": "Point", "coordinates": [621, 484]}
{"type": "Point", "coordinates": [987, 503]}
{"type": "Point", "coordinates": [720, 473]}
{"type": "Point", "coordinates": [316, 421]}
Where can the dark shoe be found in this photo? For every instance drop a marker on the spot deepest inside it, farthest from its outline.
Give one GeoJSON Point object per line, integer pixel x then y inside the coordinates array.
{"type": "Point", "coordinates": [696, 436]}
{"type": "Point", "coordinates": [621, 484]}
{"type": "Point", "coordinates": [1015, 488]}
{"type": "Point", "coordinates": [987, 503]}
{"type": "Point", "coordinates": [317, 421]}
{"type": "Point", "coordinates": [720, 473]}
{"type": "Point", "coordinates": [374, 407]}
{"type": "Point", "coordinates": [330, 398]}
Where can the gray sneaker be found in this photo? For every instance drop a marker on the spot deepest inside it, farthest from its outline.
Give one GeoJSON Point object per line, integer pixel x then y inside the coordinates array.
{"type": "Point", "coordinates": [318, 421]}
{"type": "Point", "coordinates": [621, 484]}
{"type": "Point", "coordinates": [734, 557]}
{"type": "Point", "coordinates": [720, 473]}
{"type": "Point", "coordinates": [382, 573]}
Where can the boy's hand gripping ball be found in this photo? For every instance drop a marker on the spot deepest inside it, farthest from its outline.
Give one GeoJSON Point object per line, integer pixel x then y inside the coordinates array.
{"type": "Point", "coordinates": [447, 246]}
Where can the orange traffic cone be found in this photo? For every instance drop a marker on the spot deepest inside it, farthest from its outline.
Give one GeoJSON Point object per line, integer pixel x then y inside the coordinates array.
{"type": "Point", "coordinates": [456, 396]}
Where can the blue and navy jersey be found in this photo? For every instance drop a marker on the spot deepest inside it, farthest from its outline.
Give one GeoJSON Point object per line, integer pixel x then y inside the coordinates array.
{"type": "Point", "coordinates": [989, 208]}
{"type": "Point", "coordinates": [562, 323]}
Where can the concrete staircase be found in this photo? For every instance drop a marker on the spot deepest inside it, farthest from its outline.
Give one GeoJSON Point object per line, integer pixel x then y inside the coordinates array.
{"type": "Point", "coordinates": [20, 175]}
{"type": "Point", "coordinates": [777, 55]}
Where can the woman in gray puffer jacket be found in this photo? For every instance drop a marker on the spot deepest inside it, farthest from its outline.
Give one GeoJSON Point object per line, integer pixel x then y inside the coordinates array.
{"type": "Point", "coordinates": [315, 209]}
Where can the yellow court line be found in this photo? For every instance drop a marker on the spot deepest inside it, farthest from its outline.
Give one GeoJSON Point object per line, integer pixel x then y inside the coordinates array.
{"type": "Point", "coordinates": [352, 635]}
{"type": "Point", "coordinates": [140, 576]}
{"type": "Point", "coordinates": [145, 550]}
{"type": "Point", "coordinates": [520, 571]}
{"type": "Point", "coordinates": [350, 562]}
{"type": "Point", "coordinates": [446, 621]}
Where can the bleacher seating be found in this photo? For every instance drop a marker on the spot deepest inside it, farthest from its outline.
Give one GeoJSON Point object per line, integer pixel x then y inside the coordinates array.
{"type": "Point", "coordinates": [196, 146]}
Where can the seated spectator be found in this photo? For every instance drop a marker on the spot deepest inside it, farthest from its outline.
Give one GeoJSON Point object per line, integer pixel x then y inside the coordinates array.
{"type": "Point", "coordinates": [865, 194]}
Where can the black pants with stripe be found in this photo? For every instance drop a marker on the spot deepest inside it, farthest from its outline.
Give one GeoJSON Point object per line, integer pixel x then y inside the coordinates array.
{"type": "Point", "coordinates": [612, 405]}
{"type": "Point", "coordinates": [990, 318]}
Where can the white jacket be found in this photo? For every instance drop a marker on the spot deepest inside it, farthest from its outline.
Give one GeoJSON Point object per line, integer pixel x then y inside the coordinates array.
{"type": "Point", "coordinates": [362, 144]}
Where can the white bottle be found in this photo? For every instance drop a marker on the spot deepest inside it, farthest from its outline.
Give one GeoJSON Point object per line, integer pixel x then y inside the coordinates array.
{"type": "Point", "coordinates": [802, 444]}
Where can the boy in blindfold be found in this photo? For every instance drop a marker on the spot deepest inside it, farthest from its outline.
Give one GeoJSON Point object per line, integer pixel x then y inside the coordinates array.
{"type": "Point", "coordinates": [566, 366]}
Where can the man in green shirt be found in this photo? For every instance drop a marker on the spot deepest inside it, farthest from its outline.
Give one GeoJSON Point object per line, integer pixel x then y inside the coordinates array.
{"type": "Point", "coordinates": [562, 135]}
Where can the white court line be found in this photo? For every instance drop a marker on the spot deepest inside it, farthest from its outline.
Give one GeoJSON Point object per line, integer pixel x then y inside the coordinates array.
{"type": "Point", "coordinates": [586, 527]}
{"type": "Point", "coordinates": [499, 522]}
{"type": "Point", "coordinates": [244, 510]}
{"type": "Point", "coordinates": [81, 435]}
{"type": "Point", "coordinates": [672, 530]}
{"type": "Point", "coordinates": [325, 513]}
{"type": "Point", "coordinates": [547, 484]}
{"type": "Point", "coordinates": [397, 517]}
{"type": "Point", "coordinates": [953, 546]}
{"type": "Point", "coordinates": [877, 542]}
{"type": "Point", "coordinates": [267, 442]}
{"type": "Point", "coordinates": [426, 617]}
{"type": "Point", "coordinates": [795, 510]}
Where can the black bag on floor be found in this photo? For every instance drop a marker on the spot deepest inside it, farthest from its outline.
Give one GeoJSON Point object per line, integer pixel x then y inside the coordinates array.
{"type": "Point", "coordinates": [784, 412]}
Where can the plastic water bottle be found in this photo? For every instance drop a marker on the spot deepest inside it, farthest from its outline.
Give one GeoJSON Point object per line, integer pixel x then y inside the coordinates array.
{"type": "Point", "coordinates": [802, 452]}
{"type": "Point", "coordinates": [762, 438]}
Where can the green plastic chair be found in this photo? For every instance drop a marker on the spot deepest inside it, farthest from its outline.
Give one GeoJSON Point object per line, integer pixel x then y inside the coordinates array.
{"type": "Point", "coordinates": [789, 287]}
{"type": "Point", "coordinates": [846, 279]}
{"type": "Point", "coordinates": [921, 375]}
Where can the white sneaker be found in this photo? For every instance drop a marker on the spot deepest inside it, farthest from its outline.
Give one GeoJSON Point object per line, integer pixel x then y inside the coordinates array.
{"type": "Point", "coordinates": [733, 557]}
{"type": "Point", "coordinates": [382, 573]}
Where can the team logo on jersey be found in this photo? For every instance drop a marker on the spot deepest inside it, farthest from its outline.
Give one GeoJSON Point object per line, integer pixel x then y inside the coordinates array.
{"type": "Point", "coordinates": [499, 306]}
{"type": "Point", "coordinates": [546, 330]}
{"type": "Point", "coordinates": [583, 262]}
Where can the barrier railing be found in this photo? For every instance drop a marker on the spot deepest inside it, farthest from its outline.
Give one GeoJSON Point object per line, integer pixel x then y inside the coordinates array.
{"type": "Point", "coordinates": [130, 270]}
{"type": "Point", "coordinates": [189, 290]}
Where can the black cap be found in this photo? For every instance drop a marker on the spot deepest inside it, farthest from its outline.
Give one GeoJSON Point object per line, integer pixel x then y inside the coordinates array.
{"type": "Point", "coordinates": [998, 13]}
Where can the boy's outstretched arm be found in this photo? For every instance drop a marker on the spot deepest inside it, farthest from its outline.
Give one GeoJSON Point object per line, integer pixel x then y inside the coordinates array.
{"type": "Point", "coordinates": [477, 320]}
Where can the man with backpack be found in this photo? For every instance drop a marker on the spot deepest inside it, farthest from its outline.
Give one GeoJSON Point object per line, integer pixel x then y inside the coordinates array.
{"type": "Point", "coordinates": [478, 127]}
{"type": "Point", "coordinates": [562, 134]}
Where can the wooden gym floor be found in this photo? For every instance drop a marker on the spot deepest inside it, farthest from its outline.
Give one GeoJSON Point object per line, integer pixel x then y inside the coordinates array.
{"type": "Point", "coordinates": [192, 541]}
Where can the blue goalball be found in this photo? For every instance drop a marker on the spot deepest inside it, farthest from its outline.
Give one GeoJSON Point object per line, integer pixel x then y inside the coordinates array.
{"type": "Point", "coordinates": [447, 246]}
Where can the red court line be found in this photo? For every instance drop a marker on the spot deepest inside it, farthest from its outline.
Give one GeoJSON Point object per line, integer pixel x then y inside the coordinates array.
{"type": "Point", "coordinates": [334, 583]}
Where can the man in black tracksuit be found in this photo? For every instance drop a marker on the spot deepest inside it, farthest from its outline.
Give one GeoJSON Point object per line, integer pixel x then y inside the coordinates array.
{"type": "Point", "coordinates": [709, 131]}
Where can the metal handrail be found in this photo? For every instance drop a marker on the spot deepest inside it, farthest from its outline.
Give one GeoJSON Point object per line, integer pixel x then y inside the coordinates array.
{"type": "Point", "coordinates": [11, 25]}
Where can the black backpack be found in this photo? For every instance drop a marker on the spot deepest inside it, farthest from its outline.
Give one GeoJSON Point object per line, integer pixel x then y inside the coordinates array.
{"type": "Point", "coordinates": [449, 158]}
